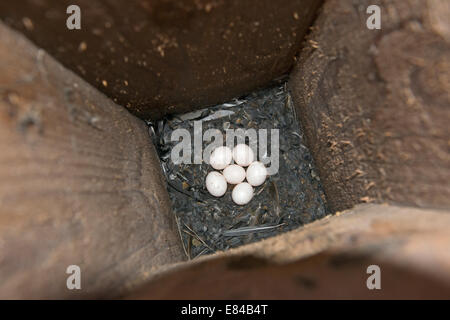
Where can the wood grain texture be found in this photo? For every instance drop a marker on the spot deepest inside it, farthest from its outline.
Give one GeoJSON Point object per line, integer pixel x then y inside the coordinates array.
{"type": "Point", "coordinates": [375, 104]}
{"type": "Point", "coordinates": [80, 184]}
{"type": "Point", "coordinates": [326, 259]}
{"type": "Point", "coordinates": [156, 57]}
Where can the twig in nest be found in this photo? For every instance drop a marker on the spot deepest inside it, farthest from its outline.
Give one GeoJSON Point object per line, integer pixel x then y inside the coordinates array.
{"type": "Point", "coordinates": [181, 238]}
{"type": "Point", "coordinates": [200, 253]}
{"type": "Point", "coordinates": [276, 198]}
{"type": "Point", "coordinates": [185, 193]}
{"type": "Point", "coordinates": [195, 235]}
{"type": "Point", "coordinates": [246, 230]}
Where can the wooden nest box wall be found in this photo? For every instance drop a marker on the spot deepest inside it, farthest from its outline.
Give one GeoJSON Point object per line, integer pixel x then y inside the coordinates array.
{"type": "Point", "coordinates": [81, 183]}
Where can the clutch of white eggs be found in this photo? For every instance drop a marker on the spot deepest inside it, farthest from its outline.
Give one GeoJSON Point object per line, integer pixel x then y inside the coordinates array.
{"type": "Point", "coordinates": [242, 154]}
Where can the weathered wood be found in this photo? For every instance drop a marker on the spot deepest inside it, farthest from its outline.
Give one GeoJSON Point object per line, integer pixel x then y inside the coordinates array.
{"type": "Point", "coordinates": [165, 56]}
{"type": "Point", "coordinates": [326, 259]}
{"type": "Point", "coordinates": [80, 184]}
{"type": "Point", "coordinates": [375, 104]}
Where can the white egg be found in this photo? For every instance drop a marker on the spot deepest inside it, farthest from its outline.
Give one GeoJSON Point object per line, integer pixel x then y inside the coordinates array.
{"type": "Point", "coordinates": [234, 174]}
{"type": "Point", "coordinates": [242, 193]}
{"type": "Point", "coordinates": [216, 184]}
{"type": "Point", "coordinates": [220, 157]}
{"type": "Point", "coordinates": [243, 155]}
{"type": "Point", "coordinates": [256, 173]}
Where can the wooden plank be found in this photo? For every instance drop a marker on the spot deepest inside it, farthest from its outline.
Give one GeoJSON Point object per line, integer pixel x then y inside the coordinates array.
{"type": "Point", "coordinates": [80, 184]}
{"type": "Point", "coordinates": [327, 259]}
{"type": "Point", "coordinates": [375, 103]}
{"type": "Point", "coordinates": [165, 56]}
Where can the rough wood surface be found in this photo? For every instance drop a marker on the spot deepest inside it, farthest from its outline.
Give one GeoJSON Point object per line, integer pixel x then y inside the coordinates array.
{"type": "Point", "coordinates": [375, 104]}
{"type": "Point", "coordinates": [165, 56]}
{"type": "Point", "coordinates": [326, 259]}
{"type": "Point", "coordinates": [80, 184]}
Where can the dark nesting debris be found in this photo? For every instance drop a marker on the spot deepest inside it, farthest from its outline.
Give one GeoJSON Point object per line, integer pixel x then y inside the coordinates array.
{"type": "Point", "coordinates": [287, 200]}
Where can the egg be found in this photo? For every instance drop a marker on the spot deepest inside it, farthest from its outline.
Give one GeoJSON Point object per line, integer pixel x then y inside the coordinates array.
{"type": "Point", "coordinates": [243, 155]}
{"type": "Point", "coordinates": [220, 157]}
{"type": "Point", "coordinates": [256, 173]}
{"type": "Point", "coordinates": [242, 193]}
{"type": "Point", "coordinates": [234, 174]}
{"type": "Point", "coordinates": [216, 184]}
